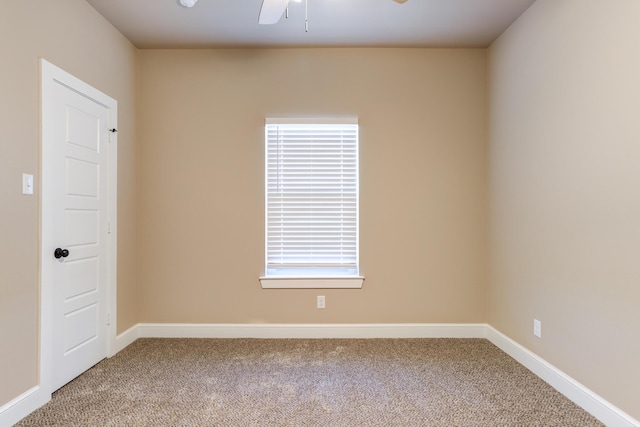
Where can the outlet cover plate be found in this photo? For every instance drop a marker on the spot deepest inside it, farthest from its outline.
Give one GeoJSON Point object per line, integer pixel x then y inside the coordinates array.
{"type": "Point", "coordinates": [537, 328]}
{"type": "Point", "coordinates": [27, 184]}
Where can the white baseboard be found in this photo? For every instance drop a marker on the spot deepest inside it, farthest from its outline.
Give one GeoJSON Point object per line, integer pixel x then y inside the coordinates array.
{"type": "Point", "coordinates": [383, 330]}
{"type": "Point", "coordinates": [18, 408]}
{"type": "Point", "coordinates": [124, 339]}
{"type": "Point", "coordinates": [603, 410]}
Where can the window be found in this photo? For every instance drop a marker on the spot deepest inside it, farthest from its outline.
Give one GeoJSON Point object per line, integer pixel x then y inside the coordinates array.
{"type": "Point", "coordinates": [311, 203]}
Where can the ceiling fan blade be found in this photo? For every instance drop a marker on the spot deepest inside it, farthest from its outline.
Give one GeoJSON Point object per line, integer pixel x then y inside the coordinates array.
{"type": "Point", "coordinates": [271, 11]}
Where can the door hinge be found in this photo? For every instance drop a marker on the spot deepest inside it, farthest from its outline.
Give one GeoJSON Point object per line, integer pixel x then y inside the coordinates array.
{"type": "Point", "coordinates": [108, 227]}
{"type": "Point", "coordinates": [108, 319]}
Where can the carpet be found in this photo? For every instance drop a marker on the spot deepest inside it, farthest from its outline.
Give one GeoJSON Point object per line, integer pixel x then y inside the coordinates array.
{"type": "Point", "coordinates": [309, 382]}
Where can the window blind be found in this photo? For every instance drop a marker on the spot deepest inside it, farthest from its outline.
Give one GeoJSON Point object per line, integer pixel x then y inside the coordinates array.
{"type": "Point", "coordinates": [311, 199]}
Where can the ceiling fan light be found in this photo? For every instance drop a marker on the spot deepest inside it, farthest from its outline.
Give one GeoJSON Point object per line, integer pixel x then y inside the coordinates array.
{"type": "Point", "coordinates": [188, 3]}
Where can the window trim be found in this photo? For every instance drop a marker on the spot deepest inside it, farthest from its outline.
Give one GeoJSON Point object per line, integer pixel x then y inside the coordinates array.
{"type": "Point", "coordinates": [312, 282]}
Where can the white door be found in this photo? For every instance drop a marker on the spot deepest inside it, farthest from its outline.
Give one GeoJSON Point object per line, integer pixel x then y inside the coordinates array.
{"type": "Point", "coordinates": [79, 210]}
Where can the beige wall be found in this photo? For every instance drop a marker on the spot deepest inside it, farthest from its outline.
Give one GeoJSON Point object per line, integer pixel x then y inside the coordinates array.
{"type": "Point", "coordinates": [70, 34]}
{"type": "Point", "coordinates": [565, 194]}
{"type": "Point", "coordinates": [423, 181]}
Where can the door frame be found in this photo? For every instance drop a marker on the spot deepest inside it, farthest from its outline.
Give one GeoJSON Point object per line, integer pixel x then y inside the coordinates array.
{"type": "Point", "coordinates": [52, 75]}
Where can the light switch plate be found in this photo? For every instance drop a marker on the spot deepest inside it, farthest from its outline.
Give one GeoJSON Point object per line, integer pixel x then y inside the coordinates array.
{"type": "Point", "coordinates": [27, 184]}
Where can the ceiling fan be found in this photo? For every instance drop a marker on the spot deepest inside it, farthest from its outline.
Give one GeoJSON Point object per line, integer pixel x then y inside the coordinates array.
{"type": "Point", "coordinates": [272, 10]}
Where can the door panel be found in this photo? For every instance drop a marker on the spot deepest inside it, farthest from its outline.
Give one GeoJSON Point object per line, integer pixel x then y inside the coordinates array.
{"type": "Point", "coordinates": [83, 129]}
{"type": "Point", "coordinates": [81, 277]}
{"type": "Point", "coordinates": [81, 327]}
{"type": "Point", "coordinates": [82, 178]}
{"type": "Point", "coordinates": [82, 227]}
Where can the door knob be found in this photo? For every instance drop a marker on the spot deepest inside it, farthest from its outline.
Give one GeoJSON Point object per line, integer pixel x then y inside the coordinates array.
{"type": "Point", "coordinates": [61, 253]}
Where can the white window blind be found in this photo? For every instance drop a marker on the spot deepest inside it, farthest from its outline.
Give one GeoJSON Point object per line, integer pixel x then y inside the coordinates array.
{"type": "Point", "coordinates": [311, 198]}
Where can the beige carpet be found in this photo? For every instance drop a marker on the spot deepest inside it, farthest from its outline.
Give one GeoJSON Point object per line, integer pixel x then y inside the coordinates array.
{"type": "Point", "coordinates": [252, 382]}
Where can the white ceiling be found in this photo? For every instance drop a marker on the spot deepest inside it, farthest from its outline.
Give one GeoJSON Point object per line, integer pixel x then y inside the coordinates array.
{"type": "Point", "coordinates": [234, 23]}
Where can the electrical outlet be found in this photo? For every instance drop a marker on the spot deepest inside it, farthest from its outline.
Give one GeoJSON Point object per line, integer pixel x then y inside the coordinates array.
{"type": "Point", "coordinates": [320, 301]}
{"type": "Point", "coordinates": [537, 328]}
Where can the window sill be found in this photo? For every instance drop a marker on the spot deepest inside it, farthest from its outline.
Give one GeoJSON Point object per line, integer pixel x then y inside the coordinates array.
{"type": "Point", "coordinates": [312, 282]}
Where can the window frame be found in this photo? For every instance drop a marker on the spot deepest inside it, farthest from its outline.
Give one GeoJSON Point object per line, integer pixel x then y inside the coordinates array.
{"type": "Point", "coordinates": [311, 280]}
